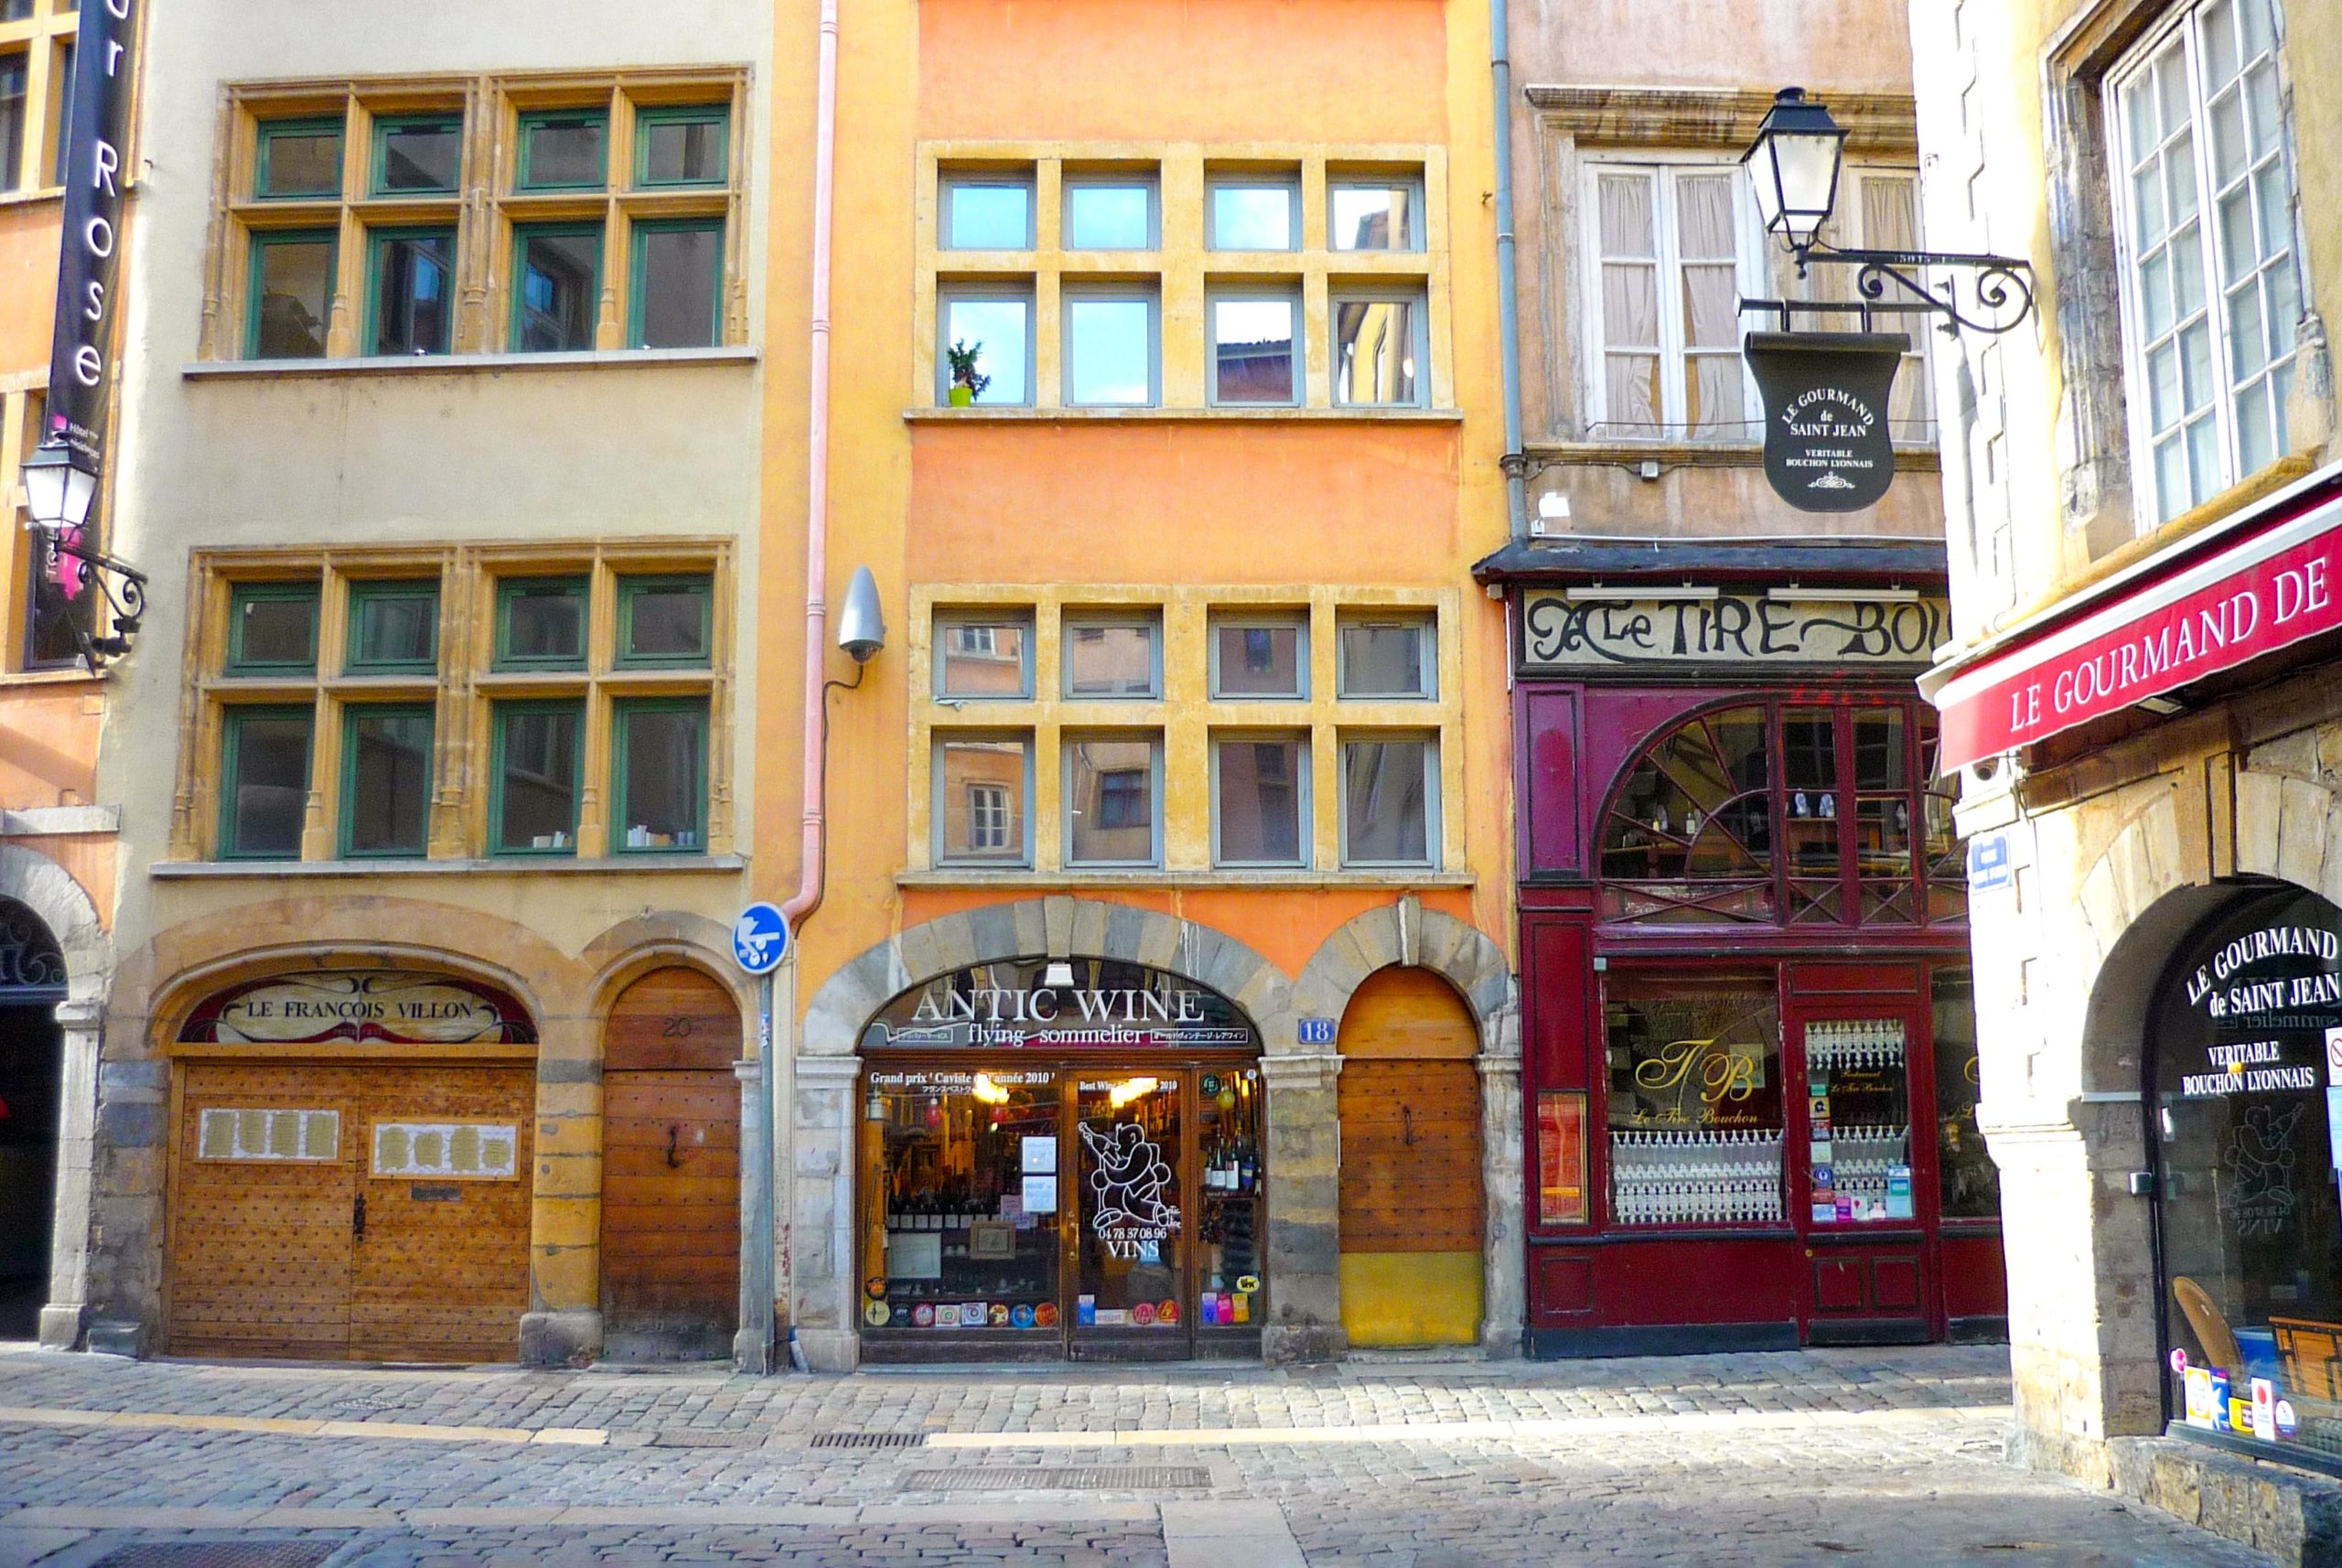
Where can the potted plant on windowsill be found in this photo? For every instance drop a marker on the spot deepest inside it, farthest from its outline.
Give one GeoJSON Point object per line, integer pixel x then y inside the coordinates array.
{"type": "Point", "coordinates": [967, 382]}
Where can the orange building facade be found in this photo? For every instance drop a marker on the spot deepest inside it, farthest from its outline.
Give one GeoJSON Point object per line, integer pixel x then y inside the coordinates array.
{"type": "Point", "coordinates": [1159, 999]}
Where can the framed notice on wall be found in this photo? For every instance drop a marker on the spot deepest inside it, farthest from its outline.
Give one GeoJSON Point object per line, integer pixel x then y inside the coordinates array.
{"type": "Point", "coordinates": [1561, 1160]}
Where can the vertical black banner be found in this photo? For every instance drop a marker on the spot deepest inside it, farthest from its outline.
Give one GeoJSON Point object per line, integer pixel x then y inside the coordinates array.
{"type": "Point", "coordinates": [1827, 445]}
{"type": "Point", "coordinates": [81, 359]}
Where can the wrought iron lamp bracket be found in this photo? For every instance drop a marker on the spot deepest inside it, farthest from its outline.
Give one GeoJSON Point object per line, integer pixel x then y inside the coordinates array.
{"type": "Point", "coordinates": [122, 586]}
{"type": "Point", "coordinates": [2000, 287]}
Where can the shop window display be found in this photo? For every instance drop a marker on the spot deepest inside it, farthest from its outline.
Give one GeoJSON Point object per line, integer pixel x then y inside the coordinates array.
{"type": "Point", "coordinates": [2244, 1129]}
{"type": "Point", "coordinates": [1695, 1098]}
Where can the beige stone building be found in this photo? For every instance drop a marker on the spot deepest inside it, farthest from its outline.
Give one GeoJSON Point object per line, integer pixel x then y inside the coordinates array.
{"type": "Point", "coordinates": [441, 444]}
{"type": "Point", "coordinates": [2140, 696]}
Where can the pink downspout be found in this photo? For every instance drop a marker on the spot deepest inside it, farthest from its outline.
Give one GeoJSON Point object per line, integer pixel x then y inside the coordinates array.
{"type": "Point", "coordinates": [817, 485]}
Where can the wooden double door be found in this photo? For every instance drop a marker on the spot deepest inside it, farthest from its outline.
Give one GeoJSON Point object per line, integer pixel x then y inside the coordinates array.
{"type": "Point", "coordinates": [357, 1210]}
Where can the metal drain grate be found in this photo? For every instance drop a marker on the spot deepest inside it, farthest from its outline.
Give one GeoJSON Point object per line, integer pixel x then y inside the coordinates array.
{"type": "Point", "coordinates": [867, 1440]}
{"type": "Point", "coordinates": [1064, 1478]}
{"type": "Point", "coordinates": [220, 1554]}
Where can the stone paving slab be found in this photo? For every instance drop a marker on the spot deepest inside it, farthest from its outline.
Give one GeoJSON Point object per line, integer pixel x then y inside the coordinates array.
{"type": "Point", "coordinates": [1769, 1460]}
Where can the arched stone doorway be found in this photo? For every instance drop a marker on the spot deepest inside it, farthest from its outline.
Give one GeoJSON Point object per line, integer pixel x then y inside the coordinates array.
{"type": "Point", "coordinates": [32, 1063]}
{"type": "Point", "coordinates": [671, 1169]}
{"type": "Point", "coordinates": [1412, 1213]}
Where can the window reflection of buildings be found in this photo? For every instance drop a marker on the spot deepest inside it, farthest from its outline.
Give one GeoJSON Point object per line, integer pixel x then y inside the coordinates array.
{"type": "Point", "coordinates": [984, 799]}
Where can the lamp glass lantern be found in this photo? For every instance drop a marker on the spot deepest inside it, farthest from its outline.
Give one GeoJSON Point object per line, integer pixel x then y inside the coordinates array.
{"type": "Point", "coordinates": [1793, 166]}
{"type": "Point", "coordinates": [57, 490]}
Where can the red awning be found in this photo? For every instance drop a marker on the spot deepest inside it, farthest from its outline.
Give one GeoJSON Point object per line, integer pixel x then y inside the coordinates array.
{"type": "Point", "coordinates": [2266, 578]}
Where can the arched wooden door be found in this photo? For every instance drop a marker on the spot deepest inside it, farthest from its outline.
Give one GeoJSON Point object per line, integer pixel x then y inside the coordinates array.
{"type": "Point", "coordinates": [1411, 1201]}
{"type": "Point", "coordinates": [670, 1170]}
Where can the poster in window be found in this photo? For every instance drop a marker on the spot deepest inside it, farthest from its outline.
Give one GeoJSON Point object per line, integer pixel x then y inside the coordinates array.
{"type": "Point", "coordinates": [1561, 1159]}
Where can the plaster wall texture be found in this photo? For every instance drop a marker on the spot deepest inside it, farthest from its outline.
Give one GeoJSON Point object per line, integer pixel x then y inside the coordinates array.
{"type": "Point", "coordinates": [2040, 496]}
{"type": "Point", "coordinates": [1714, 51]}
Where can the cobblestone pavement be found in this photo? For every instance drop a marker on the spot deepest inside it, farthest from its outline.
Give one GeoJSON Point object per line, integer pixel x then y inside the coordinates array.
{"type": "Point", "coordinates": [1820, 1457]}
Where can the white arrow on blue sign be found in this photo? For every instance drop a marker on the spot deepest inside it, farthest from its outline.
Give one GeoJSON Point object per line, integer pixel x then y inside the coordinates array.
{"type": "Point", "coordinates": [759, 938]}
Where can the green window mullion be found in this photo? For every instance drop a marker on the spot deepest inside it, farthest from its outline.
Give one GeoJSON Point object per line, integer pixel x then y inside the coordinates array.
{"type": "Point", "coordinates": [352, 716]}
{"type": "Point", "coordinates": [378, 244]}
{"type": "Point", "coordinates": [524, 176]}
{"type": "Point", "coordinates": [261, 240]}
{"type": "Point", "coordinates": [244, 593]}
{"type": "Point", "coordinates": [522, 237]}
{"type": "Point", "coordinates": [232, 723]}
{"type": "Point", "coordinates": [630, 592]}
{"type": "Point", "coordinates": [355, 660]}
{"type": "Point", "coordinates": [266, 135]}
{"type": "Point", "coordinates": [577, 588]}
{"type": "Point", "coordinates": [645, 120]}
{"type": "Point", "coordinates": [376, 170]}
{"type": "Point", "coordinates": [623, 715]}
{"type": "Point", "coordinates": [638, 295]}
{"type": "Point", "coordinates": [505, 714]}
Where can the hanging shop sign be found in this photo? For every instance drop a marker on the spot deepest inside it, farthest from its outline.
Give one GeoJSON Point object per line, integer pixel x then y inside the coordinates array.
{"type": "Point", "coordinates": [371, 1006]}
{"type": "Point", "coordinates": [96, 171]}
{"type": "Point", "coordinates": [1776, 628]}
{"type": "Point", "coordinates": [2252, 599]}
{"type": "Point", "coordinates": [1036, 1005]}
{"type": "Point", "coordinates": [1828, 444]}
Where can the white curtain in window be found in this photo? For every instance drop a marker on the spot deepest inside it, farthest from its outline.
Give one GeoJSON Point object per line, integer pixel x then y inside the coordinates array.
{"type": "Point", "coordinates": [1708, 249]}
{"type": "Point", "coordinates": [1631, 346]}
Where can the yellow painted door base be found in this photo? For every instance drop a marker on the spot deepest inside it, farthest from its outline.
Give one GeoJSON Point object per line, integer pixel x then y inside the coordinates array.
{"type": "Point", "coordinates": [1411, 1298]}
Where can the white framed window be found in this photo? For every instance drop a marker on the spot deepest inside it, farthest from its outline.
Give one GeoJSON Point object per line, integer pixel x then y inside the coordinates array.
{"type": "Point", "coordinates": [1112, 350]}
{"type": "Point", "coordinates": [1252, 212]}
{"type": "Point", "coordinates": [983, 799]}
{"type": "Point", "coordinates": [2204, 204]}
{"type": "Point", "coordinates": [983, 656]}
{"type": "Point", "coordinates": [1387, 655]}
{"type": "Point", "coordinates": [1260, 800]}
{"type": "Point", "coordinates": [1259, 657]}
{"type": "Point", "coordinates": [986, 212]}
{"type": "Point", "coordinates": [1379, 349]}
{"type": "Point", "coordinates": [995, 323]}
{"type": "Point", "coordinates": [1113, 798]}
{"type": "Point", "coordinates": [1374, 214]}
{"type": "Point", "coordinates": [1390, 799]}
{"type": "Point", "coordinates": [1112, 212]}
{"type": "Point", "coordinates": [1670, 249]}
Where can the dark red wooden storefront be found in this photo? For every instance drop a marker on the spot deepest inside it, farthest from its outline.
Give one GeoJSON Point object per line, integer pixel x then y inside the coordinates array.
{"type": "Point", "coordinates": [1749, 1046]}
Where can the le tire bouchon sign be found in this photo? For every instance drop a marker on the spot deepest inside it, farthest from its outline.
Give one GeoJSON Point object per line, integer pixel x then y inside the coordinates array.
{"type": "Point", "coordinates": [1827, 444]}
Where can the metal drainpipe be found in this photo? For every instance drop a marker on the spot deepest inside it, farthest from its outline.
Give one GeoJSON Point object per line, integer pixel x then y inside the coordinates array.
{"type": "Point", "coordinates": [1516, 479]}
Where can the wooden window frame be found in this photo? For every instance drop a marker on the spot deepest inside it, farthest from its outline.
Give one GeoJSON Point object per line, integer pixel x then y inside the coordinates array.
{"type": "Point", "coordinates": [372, 588]}
{"type": "Point", "coordinates": [45, 38]}
{"type": "Point", "coordinates": [508, 708]}
{"type": "Point", "coordinates": [638, 294]}
{"type": "Point", "coordinates": [572, 585]}
{"type": "Point", "coordinates": [277, 592]}
{"type": "Point", "coordinates": [264, 135]}
{"type": "Point", "coordinates": [718, 114]}
{"type": "Point", "coordinates": [532, 121]}
{"type": "Point", "coordinates": [377, 239]}
{"type": "Point", "coordinates": [632, 587]}
{"type": "Point", "coordinates": [464, 687]}
{"type": "Point", "coordinates": [623, 711]}
{"type": "Point", "coordinates": [264, 239]}
{"type": "Point", "coordinates": [493, 198]}
{"type": "Point", "coordinates": [346, 813]}
{"type": "Point", "coordinates": [232, 719]}
{"type": "Point", "coordinates": [523, 235]}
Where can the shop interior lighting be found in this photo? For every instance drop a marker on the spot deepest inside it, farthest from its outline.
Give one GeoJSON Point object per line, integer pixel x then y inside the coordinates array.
{"type": "Point", "coordinates": [1131, 1088]}
{"type": "Point", "coordinates": [985, 1089]}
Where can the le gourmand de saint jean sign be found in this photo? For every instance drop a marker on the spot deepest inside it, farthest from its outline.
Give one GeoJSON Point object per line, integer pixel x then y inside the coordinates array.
{"type": "Point", "coordinates": [2266, 592]}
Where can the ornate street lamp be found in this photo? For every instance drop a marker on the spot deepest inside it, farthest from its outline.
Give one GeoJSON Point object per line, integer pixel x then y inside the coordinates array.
{"type": "Point", "coordinates": [59, 492]}
{"type": "Point", "coordinates": [1793, 164]}
{"type": "Point", "coordinates": [1793, 167]}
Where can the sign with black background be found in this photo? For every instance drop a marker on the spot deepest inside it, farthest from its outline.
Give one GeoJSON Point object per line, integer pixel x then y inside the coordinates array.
{"type": "Point", "coordinates": [97, 172]}
{"type": "Point", "coordinates": [1828, 447]}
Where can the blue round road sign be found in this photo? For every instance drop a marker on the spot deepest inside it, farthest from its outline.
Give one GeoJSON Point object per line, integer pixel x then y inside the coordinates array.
{"type": "Point", "coordinates": [759, 938]}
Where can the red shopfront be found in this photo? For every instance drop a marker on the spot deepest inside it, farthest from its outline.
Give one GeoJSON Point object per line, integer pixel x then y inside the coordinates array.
{"type": "Point", "coordinates": [1750, 1062]}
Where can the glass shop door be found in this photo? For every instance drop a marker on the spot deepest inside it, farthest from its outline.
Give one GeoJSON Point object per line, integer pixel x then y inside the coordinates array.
{"type": "Point", "coordinates": [1855, 1185]}
{"type": "Point", "coordinates": [1128, 1207]}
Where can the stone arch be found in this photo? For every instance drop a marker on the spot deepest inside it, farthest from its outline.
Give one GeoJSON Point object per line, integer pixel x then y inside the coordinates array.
{"type": "Point", "coordinates": [631, 948]}
{"type": "Point", "coordinates": [1058, 926]}
{"type": "Point", "coordinates": [1405, 933]}
{"type": "Point", "coordinates": [64, 906]}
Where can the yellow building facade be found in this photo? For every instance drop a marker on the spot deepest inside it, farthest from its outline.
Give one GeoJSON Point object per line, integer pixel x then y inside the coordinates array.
{"type": "Point", "coordinates": [1177, 742]}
